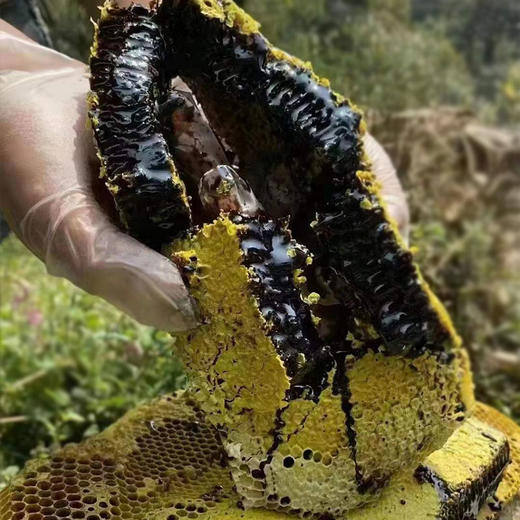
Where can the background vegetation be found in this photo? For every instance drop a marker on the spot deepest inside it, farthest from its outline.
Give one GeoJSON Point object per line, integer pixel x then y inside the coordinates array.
{"type": "Point", "coordinates": [429, 75]}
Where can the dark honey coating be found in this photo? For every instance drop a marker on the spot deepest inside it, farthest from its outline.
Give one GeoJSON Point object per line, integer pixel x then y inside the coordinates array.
{"type": "Point", "coordinates": [127, 81]}
{"type": "Point", "coordinates": [272, 257]}
{"type": "Point", "coordinates": [467, 501]}
{"type": "Point", "coordinates": [300, 148]}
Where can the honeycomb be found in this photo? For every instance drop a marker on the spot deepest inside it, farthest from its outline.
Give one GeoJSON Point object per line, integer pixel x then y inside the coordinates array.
{"type": "Point", "coordinates": [313, 467]}
{"type": "Point", "coordinates": [233, 342]}
{"type": "Point", "coordinates": [162, 461]}
{"type": "Point", "coordinates": [399, 384]}
{"type": "Point", "coordinates": [297, 139]}
{"type": "Point", "coordinates": [265, 428]}
{"type": "Point", "coordinates": [452, 483]}
{"type": "Point", "coordinates": [366, 412]}
{"type": "Point", "coordinates": [330, 452]}
{"type": "Point", "coordinates": [126, 86]}
{"type": "Point", "coordinates": [510, 485]}
{"type": "Point", "coordinates": [401, 409]}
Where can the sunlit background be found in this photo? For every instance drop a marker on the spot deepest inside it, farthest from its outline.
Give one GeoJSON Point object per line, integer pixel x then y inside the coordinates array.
{"type": "Point", "coordinates": [440, 84]}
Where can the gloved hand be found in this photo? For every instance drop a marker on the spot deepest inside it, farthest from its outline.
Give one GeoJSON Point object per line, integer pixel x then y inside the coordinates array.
{"type": "Point", "coordinates": [47, 172]}
{"type": "Point", "coordinates": [47, 167]}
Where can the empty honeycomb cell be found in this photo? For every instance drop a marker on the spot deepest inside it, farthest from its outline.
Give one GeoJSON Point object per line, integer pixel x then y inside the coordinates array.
{"type": "Point", "coordinates": [288, 462]}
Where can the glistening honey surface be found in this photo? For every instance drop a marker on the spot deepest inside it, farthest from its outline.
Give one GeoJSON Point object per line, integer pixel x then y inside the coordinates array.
{"type": "Point", "coordinates": [127, 81]}
{"type": "Point", "coordinates": [294, 135]}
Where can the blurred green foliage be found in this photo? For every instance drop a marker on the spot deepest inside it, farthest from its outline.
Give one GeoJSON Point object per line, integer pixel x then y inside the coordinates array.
{"type": "Point", "coordinates": [71, 363]}
{"type": "Point", "coordinates": [70, 26]}
{"type": "Point", "coordinates": [387, 55]}
{"type": "Point", "coordinates": [370, 50]}
{"type": "Point", "coordinates": [486, 33]}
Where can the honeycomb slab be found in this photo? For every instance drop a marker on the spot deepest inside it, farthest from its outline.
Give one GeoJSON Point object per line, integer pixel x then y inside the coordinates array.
{"type": "Point", "coordinates": [164, 461]}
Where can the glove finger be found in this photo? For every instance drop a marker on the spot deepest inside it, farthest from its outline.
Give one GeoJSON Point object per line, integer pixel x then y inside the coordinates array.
{"type": "Point", "coordinates": [391, 188]}
{"type": "Point", "coordinates": [80, 243]}
{"type": "Point", "coordinates": [20, 53]}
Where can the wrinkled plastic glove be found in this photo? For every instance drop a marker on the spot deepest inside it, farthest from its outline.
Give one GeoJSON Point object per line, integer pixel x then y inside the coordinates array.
{"type": "Point", "coordinates": [47, 168]}
{"type": "Point", "coordinates": [47, 171]}
{"type": "Point", "coordinates": [391, 188]}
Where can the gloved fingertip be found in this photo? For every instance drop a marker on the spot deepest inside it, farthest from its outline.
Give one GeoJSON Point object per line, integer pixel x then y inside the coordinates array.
{"type": "Point", "coordinates": [399, 213]}
{"type": "Point", "coordinates": [181, 316]}
{"type": "Point", "coordinates": [86, 248]}
{"type": "Point", "coordinates": [144, 285]}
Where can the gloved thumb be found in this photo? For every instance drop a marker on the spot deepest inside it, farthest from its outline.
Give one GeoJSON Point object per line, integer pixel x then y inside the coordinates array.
{"type": "Point", "coordinates": [47, 167]}
{"type": "Point", "coordinates": [79, 243]}
{"type": "Point", "coordinates": [391, 188]}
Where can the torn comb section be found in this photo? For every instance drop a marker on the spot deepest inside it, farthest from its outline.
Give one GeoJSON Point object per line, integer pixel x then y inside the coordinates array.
{"type": "Point", "coordinates": [400, 372]}
{"type": "Point", "coordinates": [300, 148]}
{"type": "Point", "coordinates": [127, 83]}
{"type": "Point", "coordinates": [265, 252]}
{"type": "Point", "coordinates": [257, 349]}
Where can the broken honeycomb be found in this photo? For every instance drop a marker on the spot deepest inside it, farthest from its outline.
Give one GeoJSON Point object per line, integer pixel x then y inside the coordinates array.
{"type": "Point", "coordinates": [373, 418]}
{"type": "Point", "coordinates": [510, 484]}
{"type": "Point", "coordinates": [401, 409]}
{"type": "Point", "coordinates": [295, 455]}
{"type": "Point", "coordinates": [399, 384]}
{"type": "Point", "coordinates": [163, 461]}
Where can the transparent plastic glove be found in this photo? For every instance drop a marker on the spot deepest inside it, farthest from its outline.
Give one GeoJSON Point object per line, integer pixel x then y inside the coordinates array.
{"type": "Point", "coordinates": [391, 189]}
{"type": "Point", "coordinates": [47, 168]}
